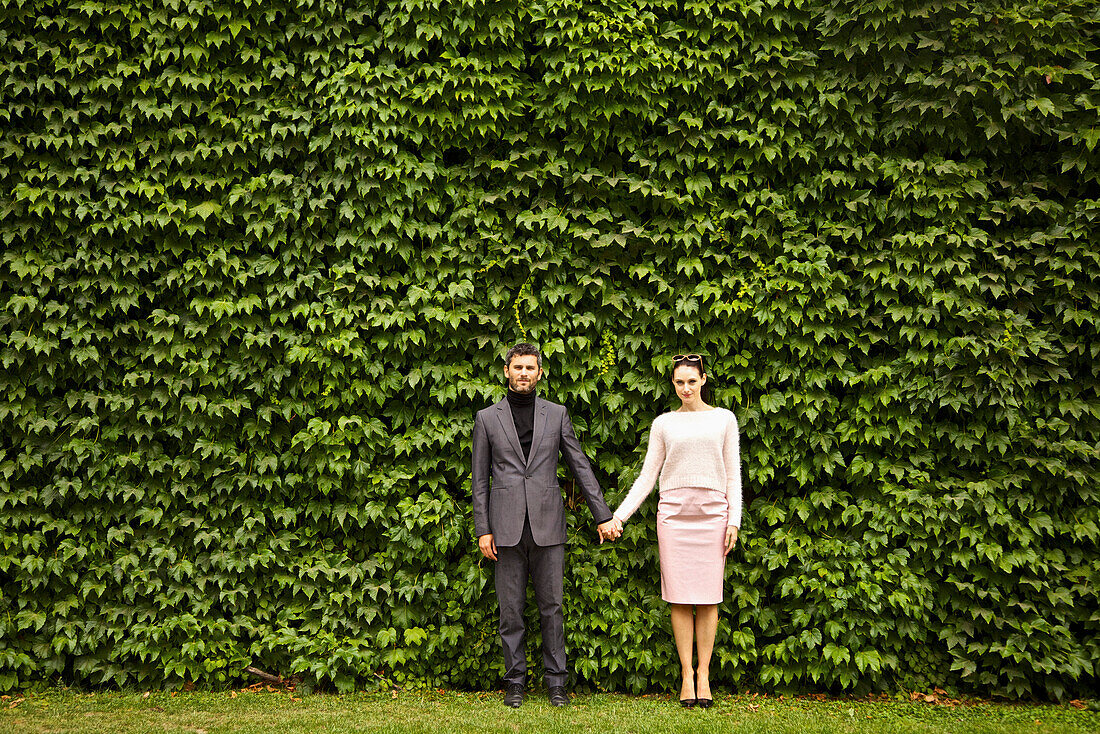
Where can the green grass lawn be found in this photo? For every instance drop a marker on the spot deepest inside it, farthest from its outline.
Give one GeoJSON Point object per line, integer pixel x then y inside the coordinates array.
{"type": "Point", "coordinates": [267, 711]}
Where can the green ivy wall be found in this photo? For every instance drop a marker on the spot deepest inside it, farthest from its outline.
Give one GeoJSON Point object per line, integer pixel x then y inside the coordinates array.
{"type": "Point", "coordinates": [259, 262]}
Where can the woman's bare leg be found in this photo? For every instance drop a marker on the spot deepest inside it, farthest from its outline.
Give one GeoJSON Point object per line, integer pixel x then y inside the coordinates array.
{"type": "Point", "coordinates": [706, 626]}
{"type": "Point", "coordinates": [683, 631]}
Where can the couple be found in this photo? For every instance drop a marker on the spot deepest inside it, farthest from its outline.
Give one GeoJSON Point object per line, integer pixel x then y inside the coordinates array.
{"type": "Point", "coordinates": [519, 517]}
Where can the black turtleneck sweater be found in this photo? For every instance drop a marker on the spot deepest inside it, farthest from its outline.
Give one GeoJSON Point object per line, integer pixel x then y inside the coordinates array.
{"type": "Point", "coordinates": [523, 415]}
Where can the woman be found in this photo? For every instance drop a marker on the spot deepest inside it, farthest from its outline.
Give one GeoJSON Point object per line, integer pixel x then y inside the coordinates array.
{"type": "Point", "coordinates": [694, 452]}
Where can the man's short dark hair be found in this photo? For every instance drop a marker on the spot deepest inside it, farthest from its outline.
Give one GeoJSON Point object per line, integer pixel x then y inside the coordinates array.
{"type": "Point", "coordinates": [523, 349]}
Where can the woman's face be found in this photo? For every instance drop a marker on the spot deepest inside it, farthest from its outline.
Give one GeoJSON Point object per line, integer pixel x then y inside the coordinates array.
{"type": "Point", "coordinates": [688, 383]}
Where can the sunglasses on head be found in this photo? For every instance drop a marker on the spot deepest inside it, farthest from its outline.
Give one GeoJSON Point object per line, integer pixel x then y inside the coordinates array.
{"type": "Point", "coordinates": [688, 357]}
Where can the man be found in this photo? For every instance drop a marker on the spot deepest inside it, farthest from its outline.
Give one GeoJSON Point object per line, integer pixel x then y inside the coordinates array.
{"type": "Point", "coordinates": [520, 519]}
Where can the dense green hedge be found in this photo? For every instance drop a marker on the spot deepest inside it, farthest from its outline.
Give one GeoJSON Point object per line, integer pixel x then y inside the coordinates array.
{"type": "Point", "coordinates": [260, 262]}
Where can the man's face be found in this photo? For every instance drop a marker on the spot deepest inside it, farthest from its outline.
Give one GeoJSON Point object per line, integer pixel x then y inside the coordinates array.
{"type": "Point", "coordinates": [523, 373]}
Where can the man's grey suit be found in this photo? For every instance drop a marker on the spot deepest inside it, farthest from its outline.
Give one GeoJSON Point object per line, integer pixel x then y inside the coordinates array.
{"type": "Point", "coordinates": [519, 501]}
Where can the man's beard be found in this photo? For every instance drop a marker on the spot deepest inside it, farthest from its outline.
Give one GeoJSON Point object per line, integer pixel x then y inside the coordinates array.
{"type": "Point", "coordinates": [520, 388]}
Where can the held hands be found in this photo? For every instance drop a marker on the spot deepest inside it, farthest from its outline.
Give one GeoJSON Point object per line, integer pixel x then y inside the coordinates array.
{"type": "Point", "coordinates": [610, 530]}
{"type": "Point", "coordinates": [731, 539]}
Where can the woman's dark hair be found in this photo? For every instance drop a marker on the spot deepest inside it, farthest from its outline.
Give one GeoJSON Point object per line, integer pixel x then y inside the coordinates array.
{"type": "Point", "coordinates": [707, 393]}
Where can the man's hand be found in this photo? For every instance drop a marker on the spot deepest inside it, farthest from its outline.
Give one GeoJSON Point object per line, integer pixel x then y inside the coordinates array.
{"type": "Point", "coordinates": [610, 530]}
{"type": "Point", "coordinates": [731, 539]}
{"type": "Point", "coordinates": [488, 546]}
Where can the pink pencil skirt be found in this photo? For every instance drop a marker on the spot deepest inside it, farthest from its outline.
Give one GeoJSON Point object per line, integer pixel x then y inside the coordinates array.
{"type": "Point", "coordinates": [691, 535]}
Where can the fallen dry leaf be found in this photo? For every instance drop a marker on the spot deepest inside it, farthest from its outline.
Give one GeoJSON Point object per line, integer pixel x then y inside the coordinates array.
{"type": "Point", "coordinates": [232, 694]}
{"type": "Point", "coordinates": [1078, 704]}
{"type": "Point", "coordinates": [145, 695]}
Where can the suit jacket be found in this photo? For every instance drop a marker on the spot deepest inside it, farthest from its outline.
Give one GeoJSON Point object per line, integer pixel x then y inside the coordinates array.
{"type": "Point", "coordinates": [506, 487]}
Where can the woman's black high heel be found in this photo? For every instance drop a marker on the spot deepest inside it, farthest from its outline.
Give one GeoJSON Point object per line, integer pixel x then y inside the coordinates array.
{"type": "Point", "coordinates": [690, 703]}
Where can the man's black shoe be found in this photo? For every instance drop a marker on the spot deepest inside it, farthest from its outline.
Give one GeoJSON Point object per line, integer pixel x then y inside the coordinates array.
{"type": "Point", "coordinates": [513, 695]}
{"type": "Point", "coordinates": [558, 696]}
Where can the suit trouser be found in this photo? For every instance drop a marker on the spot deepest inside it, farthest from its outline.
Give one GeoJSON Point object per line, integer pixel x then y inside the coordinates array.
{"type": "Point", "coordinates": [545, 564]}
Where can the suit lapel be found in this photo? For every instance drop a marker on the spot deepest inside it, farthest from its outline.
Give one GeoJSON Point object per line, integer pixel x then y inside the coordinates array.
{"type": "Point", "coordinates": [537, 429]}
{"type": "Point", "coordinates": [509, 426]}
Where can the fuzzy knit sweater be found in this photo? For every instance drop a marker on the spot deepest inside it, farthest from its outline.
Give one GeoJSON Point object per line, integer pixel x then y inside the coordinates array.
{"type": "Point", "coordinates": [690, 449]}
